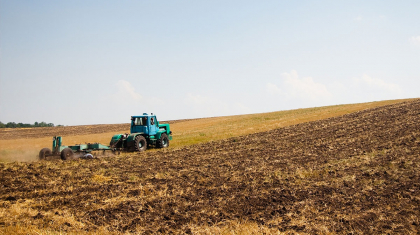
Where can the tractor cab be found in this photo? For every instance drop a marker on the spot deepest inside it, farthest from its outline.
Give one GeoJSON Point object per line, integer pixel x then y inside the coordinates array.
{"type": "Point", "coordinates": [146, 124]}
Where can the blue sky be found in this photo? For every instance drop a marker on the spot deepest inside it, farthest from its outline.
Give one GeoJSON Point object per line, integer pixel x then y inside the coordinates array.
{"type": "Point", "coordinates": [93, 62]}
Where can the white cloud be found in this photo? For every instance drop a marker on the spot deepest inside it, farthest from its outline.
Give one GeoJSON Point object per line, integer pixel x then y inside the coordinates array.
{"type": "Point", "coordinates": [126, 101]}
{"type": "Point", "coordinates": [294, 87]}
{"type": "Point", "coordinates": [415, 40]}
{"type": "Point", "coordinates": [358, 18]}
{"type": "Point", "coordinates": [126, 91]}
{"type": "Point", "coordinates": [378, 84]}
{"type": "Point", "coordinates": [273, 89]}
{"type": "Point", "coordinates": [124, 95]}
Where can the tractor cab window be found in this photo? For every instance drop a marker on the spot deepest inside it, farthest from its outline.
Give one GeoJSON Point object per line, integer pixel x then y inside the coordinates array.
{"type": "Point", "coordinates": [140, 121]}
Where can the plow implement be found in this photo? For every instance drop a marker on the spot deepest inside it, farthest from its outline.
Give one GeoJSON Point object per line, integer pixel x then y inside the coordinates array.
{"type": "Point", "coordinates": [70, 152]}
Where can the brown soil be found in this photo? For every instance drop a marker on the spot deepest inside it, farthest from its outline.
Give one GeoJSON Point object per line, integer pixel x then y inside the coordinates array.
{"type": "Point", "coordinates": [358, 173]}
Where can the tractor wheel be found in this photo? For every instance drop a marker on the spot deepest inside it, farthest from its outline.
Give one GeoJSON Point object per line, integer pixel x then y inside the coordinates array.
{"type": "Point", "coordinates": [140, 143]}
{"type": "Point", "coordinates": [44, 152]}
{"type": "Point", "coordinates": [163, 142]}
{"type": "Point", "coordinates": [67, 154]}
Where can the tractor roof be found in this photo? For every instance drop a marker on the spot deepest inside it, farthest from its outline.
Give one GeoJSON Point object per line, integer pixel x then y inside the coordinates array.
{"type": "Point", "coordinates": [145, 115]}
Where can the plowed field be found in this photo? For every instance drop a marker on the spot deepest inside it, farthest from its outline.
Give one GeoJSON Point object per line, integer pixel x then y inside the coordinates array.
{"type": "Point", "coordinates": [355, 173]}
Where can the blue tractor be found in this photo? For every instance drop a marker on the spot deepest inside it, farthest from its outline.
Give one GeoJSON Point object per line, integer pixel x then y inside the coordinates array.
{"type": "Point", "coordinates": [145, 131]}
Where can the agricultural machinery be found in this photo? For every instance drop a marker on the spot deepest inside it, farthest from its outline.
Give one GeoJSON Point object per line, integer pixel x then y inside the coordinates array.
{"type": "Point", "coordinates": [145, 131]}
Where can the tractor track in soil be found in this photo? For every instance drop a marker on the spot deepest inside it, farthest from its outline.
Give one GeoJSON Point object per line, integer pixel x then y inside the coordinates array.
{"type": "Point", "coordinates": [354, 173]}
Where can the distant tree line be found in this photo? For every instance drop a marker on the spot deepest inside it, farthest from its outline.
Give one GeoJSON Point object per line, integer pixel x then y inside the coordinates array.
{"type": "Point", "coordinates": [18, 125]}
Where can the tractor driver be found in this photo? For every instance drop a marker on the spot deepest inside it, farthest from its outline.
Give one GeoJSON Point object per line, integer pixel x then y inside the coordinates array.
{"type": "Point", "coordinates": [152, 121]}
